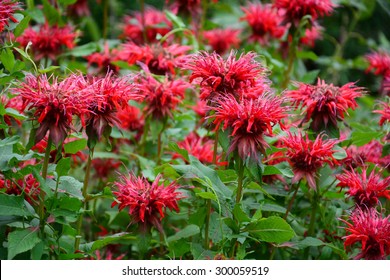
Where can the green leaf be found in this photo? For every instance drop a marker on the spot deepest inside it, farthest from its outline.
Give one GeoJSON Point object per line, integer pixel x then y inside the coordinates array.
{"type": "Point", "coordinates": [272, 229]}
{"type": "Point", "coordinates": [48, 69]}
{"type": "Point", "coordinates": [174, 147]}
{"type": "Point", "coordinates": [207, 195]}
{"type": "Point", "coordinates": [340, 153]}
{"type": "Point", "coordinates": [67, 2]}
{"type": "Point", "coordinates": [188, 231]}
{"type": "Point", "coordinates": [239, 214]}
{"type": "Point", "coordinates": [310, 77]}
{"type": "Point", "coordinates": [51, 13]}
{"type": "Point", "coordinates": [23, 24]}
{"type": "Point", "coordinates": [21, 241]}
{"type": "Point", "coordinates": [11, 205]}
{"type": "Point", "coordinates": [8, 59]}
{"type": "Point", "coordinates": [75, 146]}
{"type": "Point", "coordinates": [63, 167]}
{"type": "Point", "coordinates": [360, 138]}
{"type": "Point", "coordinates": [98, 244]}
{"type": "Point", "coordinates": [177, 21]}
{"type": "Point", "coordinates": [83, 50]}
{"type": "Point", "coordinates": [309, 242]}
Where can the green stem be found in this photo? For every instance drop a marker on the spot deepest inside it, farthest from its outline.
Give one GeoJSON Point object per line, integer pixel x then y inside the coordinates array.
{"type": "Point", "coordinates": [314, 207]}
{"type": "Point", "coordinates": [205, 6]}
{"type": "Point", "coordinates": [240, 179]}
{"type": "Point", "coordinates": [292, 53]}
{"type": "Point", "coordinates": [145, 136]}
{"type": "Point", "coordinates": [207, 225]}
{"type": "Point", "coordinates": [42, 194]}
{"type": "Point", "coordinates": [215, 153]}
{"type": "Point", "coordinates": [105, 19]}
{"type": "Point", "coordinates": [142, 8]}
{"type": "Point", "coordinates": [30, 4]}
{"type": "Point", "coordinates": [84, 193]}
{"type": "Point", "coordinates": [291, 201]}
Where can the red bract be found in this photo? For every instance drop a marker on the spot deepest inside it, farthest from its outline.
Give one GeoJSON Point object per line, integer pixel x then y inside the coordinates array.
{"type": "Point", "coordinates": [325, 104]}
{"type": "Point", "coordinates": [147, 202]}
{"type": "Point", "coordinates": [379, 62]}
{"type": "Point", "coordinates": [295, 10]}
{"type": "Point", "coordinates": [111, 94]}
{"type": "Point", "coordinates": [200, 147]}
{"type": "Point", "coordinates": [48, 41]}
{"type": "Point", "coordinates": [222, 40]}
{"type": "Point", "coordinates": [358, 156]}
{"type": "Point", "coordinates": [161, 98]}
{"type": "Point", "coordinates": [306, 156]}
{"type": "Point", "coordinates": [160, 60]}
{"type": "Point", "coordinates": [28, 185]}
{"type": "Point", "coordinates": [249, 120]}
{"type": "Point", "coordinates": [7, 9]}
{"type": "Point", "coordinates": [218, 76]}
{"type": "Point", "coordinates": [54, 104]}
{"type": "Point", "coordinates": [385, 112]}
{"type": "Point", "coordinates": [265, 22]}
{"type": "Point", "coordinates": [372, 231]}
{"type": "Point", "coordinates": [154, 22]}
{"type": "Point", "coordinates": [365, 190]}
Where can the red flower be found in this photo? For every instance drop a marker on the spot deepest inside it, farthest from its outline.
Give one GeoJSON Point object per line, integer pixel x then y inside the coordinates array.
{"type": "Point", "coordinates": [55, 104]}
{"type": "Point", "coordinates": [295, 10]}
{"type": "Point", "coordinates": [249, 121]}
{"type": "Point", "coordinates": [200, 147]}
{"type": "Point", "coordinates": [325, 104]}
{"type": "Point", "coordinates": [222, 40]}
{"type": "Point", "coordinates": [379, 62]}
{"type": "Point", "coordinates": [104, 60]}
{"type": "Point", "coordinates": [217, 76]}
{"type": "Point", "coordinates": [104, 166]}
{"type": "Point", "coordinates": [311, 35]}
{"type": "Point", "coordinates": [306, 156]}
{"type": "Point", "coordinates": [158, 59]}
{"type": "Point", "coordinates": [357, 156]}
{"type": "Point", "coordinates": [15, 103]}
{"type": "Point", "coordinates": [372, 231]}
{"type": "Point", "coordinates": [147, 202]}
{"type": "Point", "coordinates": [193, 7]}
{"type": "Point", "coordinates": [28, 185]}
{"type": "Point", "coordinates": [160, 98]}
{"type": "Point", "coordinates": [48, 41]}
{"type": "Point", "coordinates": [385, 112]}
{"type": "Point", "coordinates": [7, 9]}
{"type": "Point", "coordinates": [265, 22]}
{"type": "Point", "coordinates": [154, 22]}
{"type": "Point", "coordinates": [130, 118]}
{"type": "Point", "coordinates": [111, 94]}
{"type": "Point", "coordinates": [365, 190]}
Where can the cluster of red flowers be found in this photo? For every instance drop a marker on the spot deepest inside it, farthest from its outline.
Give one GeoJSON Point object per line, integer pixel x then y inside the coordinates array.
{"type": "Point", "coordinates": [7, 10]}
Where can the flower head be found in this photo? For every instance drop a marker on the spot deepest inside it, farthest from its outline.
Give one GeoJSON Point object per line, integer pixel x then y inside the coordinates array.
{"type": "Point", "coordinates": [104, 60]}
{"type": "Point", "coordinates": [79, 9]}
{"type": "Point", "coordinates": [193, 7]}
{"type": "Point", "coordinates": [7, 9]}
{"type": "Point", "coordinates": [265, 22]}
{"type": "Point", "coordinates": [219, 77]}
{"type": "Point", "coordinates": [249, 120]}
{"type": "Point", "coordinates": [295, 10]}
{"type": "Point", "coordinates": [366, 190]}
{"type": "Point", "coordinates": [28, 185]}
{"type": "Point", "coordinates": [200, 147]}
{"type": "Point", "coordinates": [358, 156]}
{"type": "Point", "coordinates": [54, 104]}
{"type": "Point", "coordinates": [325, 103]}
{"type": "Point", "coordinates": [130, 118]}
{"type": "Point", "coordinates": [161, 98]}
{"type": "Point", "coordinates": [222, 40]}
{"type": "Point", "coordinates": [48, 41]}
{"type": "Point", "coordinates": [311, 35]}
{"type": "Point", "coordinates": [147, 202]}
{"type": "Point", "coordinates": [154, 22]}
{"type": "Point", "coordinates": [385, 112]}
{"type": "Point", "coordinates": [158, 59]}
{"type": "Point", "coordinates": [379, 62]}
{"type": "Point", "coordinates": [306, 156]}
{"type": "Point", "coordinates": [372, 231]}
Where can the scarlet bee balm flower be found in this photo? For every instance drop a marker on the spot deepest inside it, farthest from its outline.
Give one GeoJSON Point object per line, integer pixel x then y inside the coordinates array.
{"type": "Point", "coordinates": [372, 231]}
{"type": "Point", "coordinates": [366, 190]}
{"type": "Point", "coordinates": [147, 202]}
{"type": "Point", "coordinates": [249, 121]}
{"type": "Point", "coordinates": [222, 40]}
{"type": "Point", "coordinates": [325, 103]}
{"type": "Point", "coordinates": [306, 156]}
{"type": "Point", "coordinates": [7, 9]}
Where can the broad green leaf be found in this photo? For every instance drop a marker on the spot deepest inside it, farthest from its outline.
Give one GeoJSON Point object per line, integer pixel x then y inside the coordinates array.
{"type": "Point", "coordinates": [83, 50]}
{"type": "Point", "coordinates": [51, 12]}
{"type": "Point", "coordinates": [23, 24]}
{"type": "Point", "coordinates": [207, 195]}
{"type": "Point", "coordinates": [20, 241]}
{"type": "Point", "coordinates": [98, 244]}
{"type": "Point", "coordinates": [177, 21]}
{"type": "Point", "coordinates": [174, 147]}
{"type": "Point", "coordinates": [272, 229]}
{"type": "Point", "coordinates": [360, 138]}
{"type": "Point", "coordinates": [309, 242]}
{"type": "Point", "coordinates": [48, 69]}
{"type": "Point", "coordinates": [239, 214]}
{"type": "Point", "coordinates": [63, 167]}
{"type": "Point", "coordinates": [11, 205]}
{"type": "Point", "coordinates": [7, 59]}
{"type": "Point", "coordinates": [340, 153]}
{"type": "Point", "coordinates": [188, 231]}
{"type": "Point", "coordinates": [75, 146]}
{"type": "Point", "coordinates": [67, 2]}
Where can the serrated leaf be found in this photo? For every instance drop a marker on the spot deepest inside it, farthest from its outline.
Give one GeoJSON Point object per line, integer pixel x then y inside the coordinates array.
{"type": "Point", "coordinates": [272, 229]}
{"type": "Point", "coordinates": [21, 241]}
{"type": "Point", "coordinates": [63, 167]}
{"type": "Point", "coordinates": [309, 242]}
{"type": "Point", "coordinates": [11, 205]}
{"type": "Point", "coordinates": [188, 231]}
